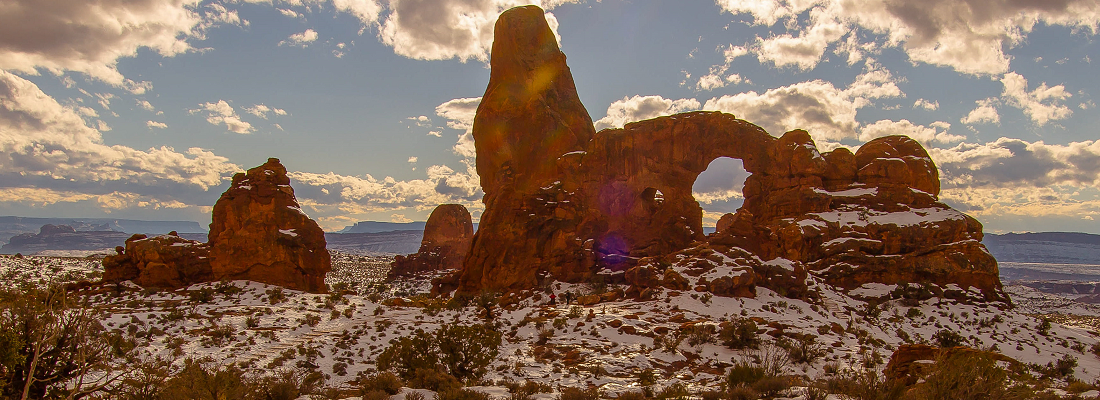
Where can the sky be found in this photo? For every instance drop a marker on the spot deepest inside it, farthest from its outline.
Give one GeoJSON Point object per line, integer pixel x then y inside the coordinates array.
{"type": "Point", "coordinates": [144, 109]}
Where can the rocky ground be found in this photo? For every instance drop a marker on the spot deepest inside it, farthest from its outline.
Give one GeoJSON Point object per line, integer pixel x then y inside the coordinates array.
{"type": "Point", "coordinates": [608, 344]}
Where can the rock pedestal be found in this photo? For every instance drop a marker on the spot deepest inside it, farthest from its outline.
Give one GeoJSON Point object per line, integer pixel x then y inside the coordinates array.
{"type": "Point", "coordinates": [260, 233]}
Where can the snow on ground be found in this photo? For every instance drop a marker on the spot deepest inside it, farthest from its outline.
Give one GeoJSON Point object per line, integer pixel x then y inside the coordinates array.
{"type": "Point", "coordinates": [609, 344]}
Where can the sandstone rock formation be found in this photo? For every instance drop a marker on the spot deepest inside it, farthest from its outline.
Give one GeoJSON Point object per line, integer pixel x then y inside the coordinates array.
{"type": "Point", "coordinates": [563, 202]}
{"type": "Point", "coordinates": [528, 131]}
{"type": "Point", "coordinates": [447, 236]}
{"type": "Point", "coordinates": [258, 233]}
{"type": "Point", "coordinates": [165, 261]}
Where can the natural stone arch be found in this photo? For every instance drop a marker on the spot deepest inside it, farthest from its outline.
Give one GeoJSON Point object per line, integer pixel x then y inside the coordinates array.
{"type": "Point", "coordinates": [622, 167]}
{"type": "Point", "coordinates": [720, 189]}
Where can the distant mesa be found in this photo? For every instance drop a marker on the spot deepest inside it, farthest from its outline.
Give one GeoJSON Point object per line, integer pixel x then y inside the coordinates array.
{"type": "Point", "coordinates": [258, 233]}
{"type": "Point", "coordinates": [380, 227]}
{"type": "Point", "coordinates": [62, 237]}
{"type": "Point", "coordinates": [564, 202]}
{"type": "Point", "coordinates": [11, 226]}
{"type": "Point", "coordinates": [447, 236]}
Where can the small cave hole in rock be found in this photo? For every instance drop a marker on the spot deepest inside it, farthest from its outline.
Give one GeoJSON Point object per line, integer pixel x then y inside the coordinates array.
{"type": "Point", "coordinates": [718, 190]}
{"type": "Point", "coordinates": [654, 196]}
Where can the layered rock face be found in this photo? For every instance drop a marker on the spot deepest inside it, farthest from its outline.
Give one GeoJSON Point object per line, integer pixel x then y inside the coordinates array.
{"type": "Point", "coordinates": [447, 236]}
{"type": "Point", "coordinates": [258, 233]}
{"type": "Point", "coordinates": [562, 207]}
{"type": "Point", "coordinates": [165, 261]}
{"type": "Point", "coordinates": [528, 123]}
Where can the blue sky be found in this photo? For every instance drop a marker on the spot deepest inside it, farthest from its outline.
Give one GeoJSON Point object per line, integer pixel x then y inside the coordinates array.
{"type": "Point", "coordinates": [144, 109]}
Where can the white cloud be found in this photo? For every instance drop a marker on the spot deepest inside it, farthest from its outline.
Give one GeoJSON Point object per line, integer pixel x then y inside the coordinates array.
{"type": "Point", "coordinates": [460, 115]}
{"type": "Point", "coordinates": [459, 112]}
{"type": "Point", "coordinates": [421, 121]}
{"type": "Point", "coordinates": [714, 80]}
{"type": "Point", "coordinates": [155, 124]}
{"type": "Point", "coordinates": [1041, 105]}
{"type": "Point", "coordinates": [262, 111]}
{"type": "Point", "coordinates": [710, 82]}
{"type": "Point", "coordinates": [146, 105]}
{"type": "Point", "coordinates": [442, 185]}
{"type": "Point", "coordinates": [968, 36]}
{"type": "Point", "coordinates": [927, 105]}
{"type": "Point", "coordinates": [638, 108]}
{"type": "Point", "coordinates": [926, 135]}
{"type": "Point", "coordinates": [446, 29]}
{"type": "Point", "coordinates": [46, 145]}
{"type": "Point", "coordinates": [413, 159]}
{"type": "Point", "coordinates": [984, 113]}
{"type": "Point", "coordinates": [90, 36]}
{"type": "Point", "coordinates": [300, 39]}
{"type": "Point", "coordinates": [222, 113]}
{"type": "Point", "coordinates": [828, 113]}
{"type": "Point", "coordinates": [805, 50]}
{"type": "Point", "coordinates": [366, 11]}
{"type": "Point", "coordinates": [1016, 163]}
{"type": "Point", "coordinates": [86, 111]}
{"type": "Point", "coordinates": [399, 218]}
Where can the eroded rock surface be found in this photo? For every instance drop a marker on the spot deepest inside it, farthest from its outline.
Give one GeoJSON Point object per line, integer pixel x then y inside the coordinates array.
{"type": "Point", "coordinates": [564, 203]}
{"type": "Point", "coordinates": [165, 262]}
{"type": "Point", "coordinates": [447, 236]}
{"type": "Point", "coordinates": [258, 233]}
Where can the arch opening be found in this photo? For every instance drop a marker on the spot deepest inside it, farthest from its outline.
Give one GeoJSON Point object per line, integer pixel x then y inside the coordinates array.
{"type": "Point", "coordinates": [718, 190]}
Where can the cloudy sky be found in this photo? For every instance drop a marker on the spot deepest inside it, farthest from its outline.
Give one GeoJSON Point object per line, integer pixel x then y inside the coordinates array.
{"type": "Point", "coordinates": [145, 108]}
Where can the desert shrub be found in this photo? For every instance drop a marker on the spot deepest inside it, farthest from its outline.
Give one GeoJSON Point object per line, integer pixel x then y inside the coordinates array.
{"type": "Point", "coordinates": [409, 354]}
{"type": "Point", "coordinates": [740, 333]}
{"type": "Point", "coordinates": [1060, 369]}
{"type": "Point", "coordinates": [462, 394]}
{"type": "Point", "coordinates": [947, 338]}
{"type": "Point", "coordinates": [375, 395]}
{"type": "Point", "coordinates": [864, 385]}
{"type": "Point", "coordinates": [646, 377]}
{"type": "Point", "coordinates": [287, 385]}
{"type": "Point", "coordinates": [434, 379]}
{"type": "Point", "coordinates": [383, 381]}
{"type": "Point", "coordinates": [632, 395]}
{"type": "Point", "coordinates": [744, 374]}
{"type": "Point", "coordinates": [964, 377]}
{"type": "Point", "coordinates": [518, 391]}
{"type": "Point", "coordinates": [675, 391]}
{"type": "Point", "coordinates": [772, 386]}
{"type": "Point", "coordinates": [742, 392]}
{"type": "Point", "coordinates": [700, 334]}
{"type": "Point", "coordinates": [414, 396]}
{"type": "Point", "coordinates": [226, 288]}
{"type": "Point", "coordinates": [572, 393]}
{"type": "Point", "coordinates": [804, 349]}
{"type": "Point", "coordinates": [1044, 326]}
{"type": "Point", "coordinates": [206, 381]}
{"type": "Point", "coordinates": [467, 351]}
{"type": "Point", "coordinates": [49, 337]}
{"type": "Point", "coordinates": [204, 295]}
{"type": "Point", "coordinates": [276, 295]}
